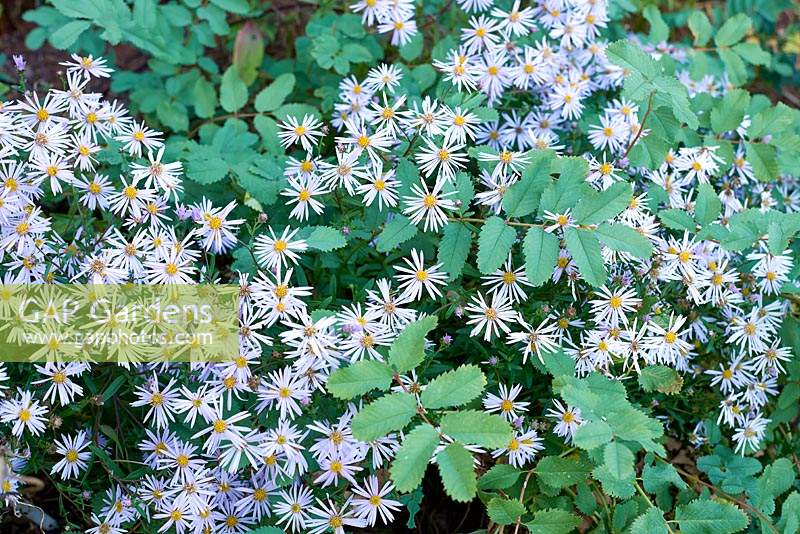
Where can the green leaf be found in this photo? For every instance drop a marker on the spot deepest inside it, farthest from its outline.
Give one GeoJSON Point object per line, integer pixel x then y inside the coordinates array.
{"type": "Point", "coordinates": [474, 427]}
{"type": "Point", "coordinates": [565, 192]}
{"type": "Point", "coordinates": [629, 56]}
{"type": "Point", "coordinates": [585, 249]}
{"type": "Point", "coordinates": [701, 28]}
{"type": "Point", "coordinates": [660, 378]}
{"type": "Point", "coordinates": [650, 522]}
{"type": "Point", "coordinates": [790, 514]}
{"type": "Point", "coordinates": [233, 91]}
{"type": "Point", "coordinates": [272, 96]}
{"type": "Point", "coordinates": [553, 521]}
{"type": "Point", "coordinates": [387, 414]}
{"type": "Point", "coordinates": [240, 7]}
{"type": "Point", "coordinates": [523, 197]}
{"type": "Point", "coordinates": [66, 35]}
{"type": "Point", "coordinates": [113, 387]}
{"type": "Point", "coordinates": [592, 435]}
{"type": "Point", "coordinates": [325, 238]}
{"type": "Point", "coordinates": [541, 254]}
{"type": "Point", "coordinates": [412, 457]}
{"type": "Point", "coordinates": [500, 476]}
{"type": "Point", "coordinates": [752, 53]}
{"type": "Point", "coordinates": [733, 31]}
{"type": "Point", "coordinates": [676, 219]}
{"type": "Point", "coordinates": [359, 378]}
{"type": "Point", "coordinates": [412, 49]}
{"type": "Point", "coordinates": [764, 159]}
{"type": "Point", "coordinates": [727, 115]}
{"type": "Point", "coordinates": [455, 467]}
{"type": "Point", "coordinates": [454, 248]}
{"type": "Point", "coordinates": [205, 98]}
{"type": "Point", "coordinates": [453, 388]}
{"type": "Point", "coordinates": [617, 471]}
{"type": "Point", "coordinates": [659, 31]}
{"type": "Point", "coordinates": [734, 66]}
{"type": "Point", "coordinates": [603, 206]}
{"type": "Point", "coordinates": [505, 511]}
{"type": "Point", "coordinates": [707, 206]}
{"type": "Point", "coordinates": [618, 460]}
{"type": "Point", "coordinates": [396, 232]}
{"type": "Point", "coordinates": [206, 170]}
{"type": "Point", "coordinates": [562, 472]}
{"type": "Point", "coordinates": [494, 244]}
{"type": "Point", "coordinates": [408, 349]}
{"type": "Point", "coordinates": [661, 476]}
{"type": "Point", "coordinates": [623, 238]}
{"type": "Point", "coordinates": [704, 516]}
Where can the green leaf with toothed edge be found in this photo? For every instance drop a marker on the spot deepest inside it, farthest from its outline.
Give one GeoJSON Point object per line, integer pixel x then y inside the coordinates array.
{"type": "Point", "coordinates": [585, 249]}
{"type": "Point", "coordinates": [387, 414]}
{"type": "Point", "coordinates": [473, 427]}
{"type": "Point", "coordinates": [453, 388]}
{"type": "Point", "coordinates": [359, 378]}
{"type": "Point", "coordinates": [457, 472]}
{"type": "Point", "coordinates": [541, 254]}
{"type": "Point", "coordinates": [408, 349]}
{"type": "Point", "coordinates": [412, 457]}
{"type": "Point", "coordinates": [494, 243]}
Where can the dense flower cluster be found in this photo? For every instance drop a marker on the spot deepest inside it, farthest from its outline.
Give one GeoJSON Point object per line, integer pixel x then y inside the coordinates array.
{"type": "Point", "coordinates": [228, 449]}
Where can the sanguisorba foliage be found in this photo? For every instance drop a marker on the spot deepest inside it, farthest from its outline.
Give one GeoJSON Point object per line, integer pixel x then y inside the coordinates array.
{"type": "Point", "coordinates": [552, 258]}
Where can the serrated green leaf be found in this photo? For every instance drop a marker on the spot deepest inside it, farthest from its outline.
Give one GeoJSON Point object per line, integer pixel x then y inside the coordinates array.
{"type": "Point", "coordinates": [273, 96]}
{"type": "Point", "coordinates": [764, 159]}
{"type": "Point", "coordinates": [592, 434]}
{"type": "Point", "coordinates": [553, 521]}
{"type": "Point", "coordinates": [454, 248]}
{"type": "Point", "coordinates": [387, 414]}
{"type": "Point", "coordinates": [727, 115]}
{"type": "Point", "coordinates": [701, 28]}
{"type": "Point", "coordinates": [603, 206]}
{"type": "Point", "coordinates": [541, 253]}
{"type": "Point", "coordinates": [205, 98]}
{"type": "Point", "coordinates": [505, 511]}
{"type": "Point", "coordinates": [453, 388]}
{"type": "Point", "coordinates": [412, 457]}
{"type": "Point", "coordinates": [474, 427]}
{"type": "Point", "coordinates": [522, 198]}
{"type": "Point", "coordinates": [66, 35]}
{"type": "Point", "coordinates": [676, 219]}
{"type": "Point", "coordinates": [733, 31]}
{"type": "Point", "coordinates": [660, 378]}
{"type": "Point", "coordinates": [707, 206]}
{"type": "Point", "coordinates": [661, 476]}
{"type": "Point", "coordinates": [233, 91]}
{"type": "Point", "coordinates": [500, 476]}
{"type": "Point", "coordinates": [650, 522]}
{"type": "Point", "coordinates": [704, 516]}
{"type": "Point", "coordinates": [629, 56]}
{"type": "Point", "coordinates": [618, 460]}
{"type": "Point", "coordinates": [659, 31]}
{"type": "Point", "coordinates": [752, 53]}
{"type": "Point", "coordinates": [325, 238]}
{"type": "Point", "coordinates": [408, 349]}
{"type": "Point", "coordinates": [458, 476]}
{"type": "Point", "coordinates": [623, 238]}
{"type": "Point", "coordinates": [396, 232]}
{"type": "Point", "coordinates": [585, 249]}
{"type": "Point", "coordinates": [562, 472]}
{"type": "Point", "coordinates": [359, 378]}
{"type": "Point", "coordinates": [494, 244]}
{"type": "Point", "coordinates": [734, 66]}
{"type": "Point", "coordinates": [564, 193]}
